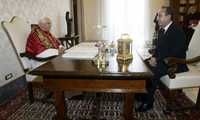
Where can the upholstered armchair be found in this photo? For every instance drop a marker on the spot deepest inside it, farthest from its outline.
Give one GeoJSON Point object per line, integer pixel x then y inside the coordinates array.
{"type": "Point", "coordinates": [17, 31]}
{"type": "Point", "coordinates": [190, 79]}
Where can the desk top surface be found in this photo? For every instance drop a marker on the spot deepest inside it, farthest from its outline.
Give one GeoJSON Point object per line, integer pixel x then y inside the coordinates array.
{"type": "Point", "coordinates": [61, 67]}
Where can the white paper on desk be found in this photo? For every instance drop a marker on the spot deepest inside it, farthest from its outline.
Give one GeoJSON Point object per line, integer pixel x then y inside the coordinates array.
{"type": "Point", "coordinates": [86, 44]}
{"type": "Point", "coordinates": [78, 55]}
{"type": "Point", "coordinates": [82, 51]}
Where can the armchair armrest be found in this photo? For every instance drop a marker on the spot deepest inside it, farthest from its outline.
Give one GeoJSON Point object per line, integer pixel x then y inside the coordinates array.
{"type": "Point", "coordinates": [35, 58]}
{"type": "Point", "coordinates": [172, 62]}
{"type": "Point", "coordinates": [69, 41]}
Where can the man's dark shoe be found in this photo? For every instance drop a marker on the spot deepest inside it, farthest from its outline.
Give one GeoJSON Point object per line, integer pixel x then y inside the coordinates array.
{"type": "Point", "coordinates": [144, 107]}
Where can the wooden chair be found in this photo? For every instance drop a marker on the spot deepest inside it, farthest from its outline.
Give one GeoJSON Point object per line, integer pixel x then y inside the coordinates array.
{"type": "Point", "coordinates": [70, 39]}
{"type": "Point", "coordinates": [17, 31]}
{"type": "Point", "coordinates": [191, 79]}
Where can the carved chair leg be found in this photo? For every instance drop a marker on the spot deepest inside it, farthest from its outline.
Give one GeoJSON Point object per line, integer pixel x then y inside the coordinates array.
{"type": "Point", "coordinates": [30, 92]}
{"type": "Point", "coordinates": [97, 110]}
{"type": "Point", "coordinates": [171, 98]}
{"type": "Point", "coordinates": [198, 100]}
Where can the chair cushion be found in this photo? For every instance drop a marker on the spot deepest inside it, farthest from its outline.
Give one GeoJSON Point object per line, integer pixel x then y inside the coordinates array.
{"type": "Point", "coordinates": [183, 80]}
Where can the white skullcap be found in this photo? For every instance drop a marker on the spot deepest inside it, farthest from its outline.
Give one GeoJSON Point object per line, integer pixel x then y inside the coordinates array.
{"type": "Point", "coordinates": [44, 20]}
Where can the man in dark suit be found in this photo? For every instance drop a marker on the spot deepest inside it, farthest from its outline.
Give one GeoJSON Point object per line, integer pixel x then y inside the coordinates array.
{"type": "Point", "coordinates": [171, 43]}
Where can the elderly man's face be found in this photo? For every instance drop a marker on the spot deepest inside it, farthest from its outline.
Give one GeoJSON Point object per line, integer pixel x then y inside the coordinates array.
{"type": "Point", "coordinates": [163, 19]}
{"type": "Point", "coordinates": [46, 25]}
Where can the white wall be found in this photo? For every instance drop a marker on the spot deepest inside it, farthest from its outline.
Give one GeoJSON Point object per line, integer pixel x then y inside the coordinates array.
{"type": "Point", "coordinates": [33, 10]}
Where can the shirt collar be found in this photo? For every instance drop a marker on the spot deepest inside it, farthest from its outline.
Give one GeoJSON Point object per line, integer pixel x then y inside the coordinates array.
{"type": "Point", "coordinates": [167, 26]}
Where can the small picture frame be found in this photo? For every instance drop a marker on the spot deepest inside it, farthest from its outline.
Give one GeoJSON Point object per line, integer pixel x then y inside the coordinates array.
{"type": "Point", "coordinates": [183, 2]}
{"type": "Point", "coordinates": [191, 1]}
{"type": "Point", "coordinates": [182, 9]}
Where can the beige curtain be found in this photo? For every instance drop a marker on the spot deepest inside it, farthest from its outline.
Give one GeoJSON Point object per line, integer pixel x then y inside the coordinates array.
{"type": "Point", "coordinates": [108, 19]}
{"type": "Point", "coordinates": [80, 17]}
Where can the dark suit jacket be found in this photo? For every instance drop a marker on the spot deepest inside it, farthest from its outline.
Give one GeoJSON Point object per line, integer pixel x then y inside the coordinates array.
{"type": "Point", "coordinates": [171, 44]}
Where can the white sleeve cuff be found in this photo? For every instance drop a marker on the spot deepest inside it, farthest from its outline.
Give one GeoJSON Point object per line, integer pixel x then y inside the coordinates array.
{"type": "Point", "coordinates": [60, 46]}
{"type": "Point", "coordinates": [48, 53]}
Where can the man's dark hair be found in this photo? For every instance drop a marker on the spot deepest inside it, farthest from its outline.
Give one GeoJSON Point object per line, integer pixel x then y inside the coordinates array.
{"type": "Point", "coordinates": [169, 11]}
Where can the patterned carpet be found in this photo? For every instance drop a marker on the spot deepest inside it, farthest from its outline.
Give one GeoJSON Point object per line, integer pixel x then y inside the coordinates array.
{"type": "Point", "coordinates": [111, 107]}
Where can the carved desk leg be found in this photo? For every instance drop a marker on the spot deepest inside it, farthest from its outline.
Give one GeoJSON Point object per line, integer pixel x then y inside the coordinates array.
{"type": "Point", "coordinates": [60, 104]}
{"type": "Point", "coordinates": [97, 102]}
{"type": "Point", "coordinates": [128, 106]}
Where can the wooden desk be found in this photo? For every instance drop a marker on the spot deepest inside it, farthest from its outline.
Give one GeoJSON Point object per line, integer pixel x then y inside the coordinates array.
{"type": "Point", "coordinates": [62, 74]}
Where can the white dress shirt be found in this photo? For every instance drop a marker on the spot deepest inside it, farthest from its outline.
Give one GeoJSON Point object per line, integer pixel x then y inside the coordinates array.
{"type": "Point", "coordinates": [167, 26]}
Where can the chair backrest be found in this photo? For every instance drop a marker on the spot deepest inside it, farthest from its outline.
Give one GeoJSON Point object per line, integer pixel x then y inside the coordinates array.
{"type": "Point", "coordinates": [194, 49]}
{"type": "Point", "coordinates": [10, 66]}
{"type": "Point", "coordinates": [17, 31]}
